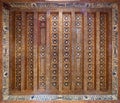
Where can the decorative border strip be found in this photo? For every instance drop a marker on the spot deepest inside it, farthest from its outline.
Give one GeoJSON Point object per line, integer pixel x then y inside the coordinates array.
{"type": "Point", "coordinates": [60, 97]}
{"type": "Point", "coordinates": [61, 5]}
{"type": "Point", "coordinates": [5, 55]}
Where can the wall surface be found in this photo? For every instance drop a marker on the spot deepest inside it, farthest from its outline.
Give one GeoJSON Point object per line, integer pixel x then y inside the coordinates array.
{"type": "Point", "coordinates": [60, 100]}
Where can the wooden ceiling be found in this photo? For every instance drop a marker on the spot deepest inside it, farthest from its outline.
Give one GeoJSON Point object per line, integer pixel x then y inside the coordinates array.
{"type": "Point", "coordinates": [7, 1]}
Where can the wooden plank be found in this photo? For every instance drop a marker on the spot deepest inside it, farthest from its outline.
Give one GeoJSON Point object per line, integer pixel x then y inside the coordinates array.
{"type": "Point", "coordinates": [79, 52]}
{"type": "Point", "coordinates": [89, 48]}
{"type": "Point", "coordinates": [60, 50]}
{"type": "Point", "coordinates": [66, 52]}
{"type": "Point", "coordinates": [54, 52]}
{"type": "Point", "coordinates": [48, 51]}
{"type": "Point", "coordinates": [29, 50]}
{"type": "Point", "coordinates": [97, 50]}
{"type": "Point", "coordinates": [23, 53]}
{"type": "Point", "coordinates": [35, 51]}
{"type": "Point", "coordinates": [85, 36]}
{"type": "Point", "coordinates": [42, 51]}
{"type": "Point", "coordinates": [109, 51]}
{"type": "Point", "coordinates": [12, 51]}
{"type": "Point", "coordinates": [73, 42]}
{"type": "Point", "coordinates": [18, 50]}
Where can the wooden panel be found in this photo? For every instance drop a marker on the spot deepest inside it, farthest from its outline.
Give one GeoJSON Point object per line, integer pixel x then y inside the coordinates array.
{"type": "Point", "coordinates": [89, 54]}
{"type": "Point", "coordinates": [29, 50]}
{"type": "Point", "coordinates": [79, 54]}
{"type": "Point", "coordinates": [54, 52]}
{"type": "Point", "coordinates": [41, 51]}
{"type": "Point", "coordinates": [66, 52]}
{"type": "Point", "coordinates": [18, 50]}
{"type": "Point", "coordinates": [60, 52]}
{"type": "Point", "coordinates": [12, 51]}
{"type": "Point", "coordinates": [103, 66]}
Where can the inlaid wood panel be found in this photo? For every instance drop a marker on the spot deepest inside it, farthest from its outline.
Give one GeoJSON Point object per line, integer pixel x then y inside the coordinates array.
{"type": "Point", "coordinates": [66, 52]}
{"type": "Point", "coordinates": [103, 52]}
{"type": "Point", "coordinates": [18, 48]}
{"type": "Point", "coordinates": [89, 54]}
{"type": "Point", "coordinates": [61, 52]}
{"type": "Point", "coordinates": [41, 66]}
{"type": "Point", "coordinates": [79, 54]}
{"type": "Point", "coordinates": [29, 40]}
{"type": "Point", "coordinates": [54, 52]}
